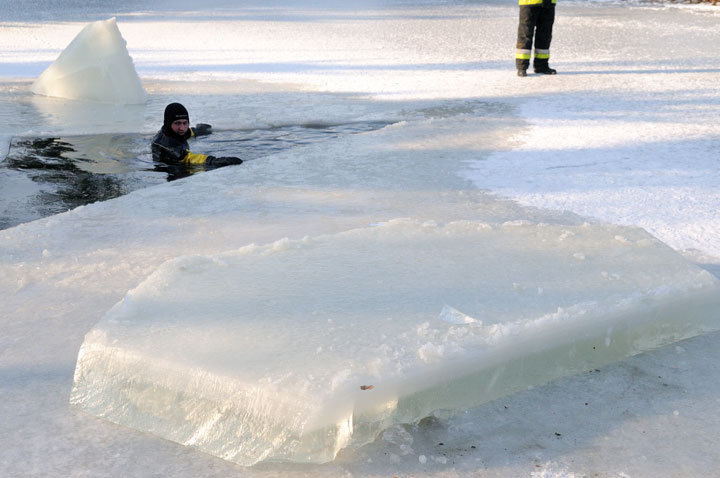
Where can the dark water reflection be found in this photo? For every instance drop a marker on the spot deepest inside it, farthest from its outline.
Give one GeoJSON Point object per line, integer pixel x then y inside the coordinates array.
{"type": "Point", "coordinates": [45, 176]}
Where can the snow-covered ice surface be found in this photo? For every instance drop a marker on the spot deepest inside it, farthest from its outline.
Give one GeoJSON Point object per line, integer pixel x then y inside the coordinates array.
{"type": "Point", "coordinates": [624, 134]}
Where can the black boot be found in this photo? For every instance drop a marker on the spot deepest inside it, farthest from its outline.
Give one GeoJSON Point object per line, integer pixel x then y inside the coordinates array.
{"type": "Point", "coordinates": [522, 72]}
{"type": "Point", "coordinates": [542, 67]}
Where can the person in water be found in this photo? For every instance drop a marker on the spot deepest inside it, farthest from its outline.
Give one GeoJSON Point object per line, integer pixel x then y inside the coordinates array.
{"type": "Point", "coordinates": [170, 144]}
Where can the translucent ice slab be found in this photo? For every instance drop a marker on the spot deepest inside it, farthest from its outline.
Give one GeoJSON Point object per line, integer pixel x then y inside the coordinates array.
{"type": "Point", "coordinates": [294, 350]}
{"type": "Point", "coordinates": [94, 66]}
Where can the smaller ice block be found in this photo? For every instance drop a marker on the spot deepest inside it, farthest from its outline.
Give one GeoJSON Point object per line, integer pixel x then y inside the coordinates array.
{"type": "Point", "coordinates": [94, 66]}
{"type": "Point", "coordinates": [294, 350]}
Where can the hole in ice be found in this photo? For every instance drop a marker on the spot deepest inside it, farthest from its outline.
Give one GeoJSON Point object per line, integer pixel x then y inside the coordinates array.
{"type": "Point", "coordinates": [42, 176]}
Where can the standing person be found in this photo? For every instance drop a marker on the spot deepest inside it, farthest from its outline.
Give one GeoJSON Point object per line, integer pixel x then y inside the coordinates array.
{"type": "Point", "coordinates": [536, 17]}
{"type": "Point", "coordinates": [170, 144]}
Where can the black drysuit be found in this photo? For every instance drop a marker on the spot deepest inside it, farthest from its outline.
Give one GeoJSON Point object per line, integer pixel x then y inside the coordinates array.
{"type": "Point", "coordinates": [169, 148]}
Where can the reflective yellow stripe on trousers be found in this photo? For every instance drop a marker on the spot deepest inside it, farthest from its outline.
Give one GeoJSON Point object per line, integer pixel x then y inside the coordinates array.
{"type": "Point", "coordinates": [522, 54]}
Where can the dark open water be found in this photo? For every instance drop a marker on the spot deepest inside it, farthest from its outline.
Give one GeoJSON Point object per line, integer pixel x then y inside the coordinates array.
{"type": "Point", "coordinates": [42, 176]}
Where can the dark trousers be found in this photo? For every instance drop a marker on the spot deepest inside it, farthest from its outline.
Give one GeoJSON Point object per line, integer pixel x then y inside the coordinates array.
{"type": "Point", "coordinates": [537, 20]}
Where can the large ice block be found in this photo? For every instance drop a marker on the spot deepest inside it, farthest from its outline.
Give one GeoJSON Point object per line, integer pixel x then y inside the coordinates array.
{"type": "Point", "coordinates": [94, 66]}
{"type": "Point", "coordinates": [296, 349]}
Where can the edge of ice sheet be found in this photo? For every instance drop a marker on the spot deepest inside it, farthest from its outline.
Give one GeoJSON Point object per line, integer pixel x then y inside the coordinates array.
{"type": "Point", "coordinates": [270, 352]}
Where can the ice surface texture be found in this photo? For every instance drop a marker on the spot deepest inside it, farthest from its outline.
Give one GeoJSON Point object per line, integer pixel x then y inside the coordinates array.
{"type": "Point", "coordinates": [268, 352]}
{"type": "Point", "coordinates": [95, 66]}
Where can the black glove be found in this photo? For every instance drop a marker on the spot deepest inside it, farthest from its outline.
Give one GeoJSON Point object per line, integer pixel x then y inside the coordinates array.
{"type": "Point", "coordinates": [202, 129]}
{"type": "Point", "coordinates": [222, 161]}
{"type": "Point", "coordinates": [547, 3]}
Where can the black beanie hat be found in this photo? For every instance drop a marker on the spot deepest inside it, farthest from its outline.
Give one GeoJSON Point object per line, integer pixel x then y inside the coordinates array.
{"type": "Point", "coordinates": [174, 112]}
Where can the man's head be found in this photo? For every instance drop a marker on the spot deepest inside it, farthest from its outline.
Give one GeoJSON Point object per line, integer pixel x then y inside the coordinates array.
{"type": "Point", "coordinates": [176, 119]}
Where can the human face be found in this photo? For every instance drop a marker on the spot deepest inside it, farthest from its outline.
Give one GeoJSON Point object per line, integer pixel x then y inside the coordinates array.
{"type": "Point", "coordinates": [180, 126]}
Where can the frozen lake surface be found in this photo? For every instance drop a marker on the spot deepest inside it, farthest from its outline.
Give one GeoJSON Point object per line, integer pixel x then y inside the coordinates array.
{"type": "Point", "coordinates": [623, 137]}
